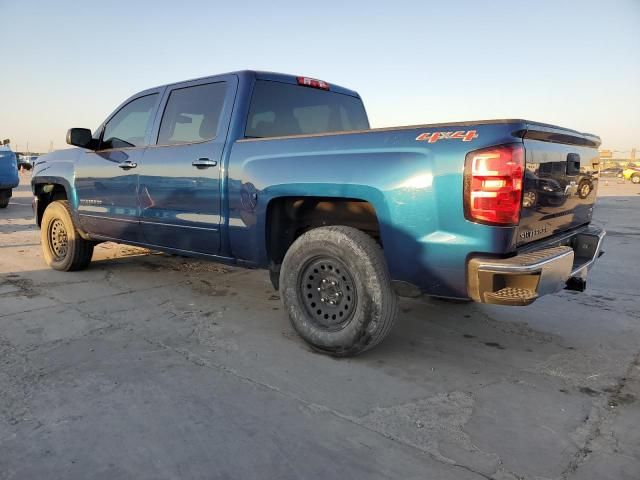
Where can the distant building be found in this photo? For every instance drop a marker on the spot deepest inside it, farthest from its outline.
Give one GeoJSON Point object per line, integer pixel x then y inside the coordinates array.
{"type": "Point", "coordinates": [611, 158]}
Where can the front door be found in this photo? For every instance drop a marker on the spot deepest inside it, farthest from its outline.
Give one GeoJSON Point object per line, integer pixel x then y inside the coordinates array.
{"type": "Point", "coordinates": [179, 184]}
{"type": "Point", "coordinates": [106, 180]}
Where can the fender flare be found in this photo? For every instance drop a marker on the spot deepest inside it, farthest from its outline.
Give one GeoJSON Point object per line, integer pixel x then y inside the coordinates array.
{"type": "Point", "coordinates": [71, 197]}
{"type": "Point", "coordinates": [361, 193]}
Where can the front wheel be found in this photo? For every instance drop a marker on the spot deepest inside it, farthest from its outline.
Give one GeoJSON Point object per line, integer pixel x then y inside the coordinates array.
{"type": "Point", "coordinates": [62, 246]}
{"type": "Point", "coordinates": [336, 288]}
{"type": "Point", "coordinates": [635, 179]}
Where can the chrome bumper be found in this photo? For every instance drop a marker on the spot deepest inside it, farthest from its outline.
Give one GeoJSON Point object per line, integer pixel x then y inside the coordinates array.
{"type": "Point", "coordinates": [520, 280]}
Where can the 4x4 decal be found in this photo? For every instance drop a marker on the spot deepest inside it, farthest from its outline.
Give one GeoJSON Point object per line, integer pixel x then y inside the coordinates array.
{"type": "Point", "coordinates": [465, 136]}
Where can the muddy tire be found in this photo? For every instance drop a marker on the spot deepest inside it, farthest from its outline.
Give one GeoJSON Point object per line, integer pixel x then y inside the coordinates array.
{"type": "Point", "coordinates": [336, 288]}
{"type": "Point", "coordinates": [62, 246]}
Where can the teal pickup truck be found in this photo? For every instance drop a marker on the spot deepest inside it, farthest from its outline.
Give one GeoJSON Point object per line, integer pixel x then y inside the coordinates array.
{"type": "Point", "coordinates": [283, 172]}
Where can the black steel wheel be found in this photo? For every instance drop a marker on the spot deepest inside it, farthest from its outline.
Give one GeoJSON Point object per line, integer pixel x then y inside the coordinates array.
{"type": "Point", "coordinates": [58, 241]}
{"type": "Point", "coordinates": [328, 292]}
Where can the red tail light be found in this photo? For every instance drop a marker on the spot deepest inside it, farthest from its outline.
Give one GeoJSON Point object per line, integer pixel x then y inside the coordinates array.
{"type": "Point", "coordinates": [313, 83]}
{"type": "Point", "coordinates": [493, 185]}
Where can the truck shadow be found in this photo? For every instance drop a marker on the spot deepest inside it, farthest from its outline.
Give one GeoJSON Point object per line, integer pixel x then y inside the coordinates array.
{"type": "Point", "coordinates": [428, 331]}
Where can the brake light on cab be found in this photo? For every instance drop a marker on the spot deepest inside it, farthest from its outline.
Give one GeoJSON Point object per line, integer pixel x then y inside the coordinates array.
{"type": "Point", "coordinates": [313, 83]}
{"type": "Point", "coordinates": [493, 180]}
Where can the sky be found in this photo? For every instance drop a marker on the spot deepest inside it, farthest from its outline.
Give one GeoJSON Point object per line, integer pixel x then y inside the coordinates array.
{"type": "Point", "coordinates": [574, 63]}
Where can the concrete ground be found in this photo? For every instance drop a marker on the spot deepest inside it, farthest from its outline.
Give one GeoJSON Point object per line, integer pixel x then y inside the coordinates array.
{"type": "Point", "coordinates": [148, 366]}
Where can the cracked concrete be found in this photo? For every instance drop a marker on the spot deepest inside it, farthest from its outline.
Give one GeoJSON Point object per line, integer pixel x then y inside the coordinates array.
{"type": "Point", "coordinates": [154, 366]}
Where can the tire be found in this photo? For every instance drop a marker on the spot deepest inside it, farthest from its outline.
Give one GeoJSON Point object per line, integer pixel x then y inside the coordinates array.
{"type": "Point", "coordinates": [635, 178]}
{"type": "Point", "coordinates": [336, 288]}
{"type": "Point", "coordinates": [584, 189]}
{"type": "Point", "coordinates": [62, 246]}
{"type": "Point", "coordinates": [529, 199]}
{"type": "Point", "coordinates": [5, 197]}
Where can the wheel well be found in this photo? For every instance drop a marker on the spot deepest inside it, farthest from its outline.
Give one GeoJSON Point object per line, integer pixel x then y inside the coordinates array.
{"type": "Point", "coordinates": [47, 193]}
{"type": "Point", "coordinates": [290, 217]}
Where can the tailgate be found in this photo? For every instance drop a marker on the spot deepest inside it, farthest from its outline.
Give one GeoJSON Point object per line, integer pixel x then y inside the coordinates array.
{"type": "Point", "coordinates": [559, 186]}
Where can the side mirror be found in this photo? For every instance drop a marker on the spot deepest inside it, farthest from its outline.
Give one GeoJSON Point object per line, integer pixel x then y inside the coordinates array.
{"type": "Point", "coordinates": [80, 137]}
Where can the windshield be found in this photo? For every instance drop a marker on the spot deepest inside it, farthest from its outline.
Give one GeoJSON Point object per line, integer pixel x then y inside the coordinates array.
{"type": "Point", "coordinates": [280, 109]}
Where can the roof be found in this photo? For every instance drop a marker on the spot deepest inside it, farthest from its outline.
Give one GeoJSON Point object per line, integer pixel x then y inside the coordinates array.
{"type": "Point", "coordinates": [270, 76]}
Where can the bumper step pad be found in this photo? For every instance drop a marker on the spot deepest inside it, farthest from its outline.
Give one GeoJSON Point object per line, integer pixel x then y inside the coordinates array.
{"type": "Point", "coordinates": [511, 296]}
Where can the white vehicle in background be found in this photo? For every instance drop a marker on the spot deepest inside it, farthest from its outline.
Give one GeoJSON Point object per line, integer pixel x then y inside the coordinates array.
{"type": "Point", "coordinates": [26, 161]}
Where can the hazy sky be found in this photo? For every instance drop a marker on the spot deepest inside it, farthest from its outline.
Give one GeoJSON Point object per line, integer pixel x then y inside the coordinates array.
{"type": "Point", "coordinates": [573, 63]}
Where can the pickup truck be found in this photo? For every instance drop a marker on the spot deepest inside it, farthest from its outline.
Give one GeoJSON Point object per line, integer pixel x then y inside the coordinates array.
{"type": "Point", "coordinates": [283, 173]}
{"type": "Point", "coordinates": [8, 174]}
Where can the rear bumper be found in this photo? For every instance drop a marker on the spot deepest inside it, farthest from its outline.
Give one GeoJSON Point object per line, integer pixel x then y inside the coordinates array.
{"type": "Point", "coordinates": [520, 280]}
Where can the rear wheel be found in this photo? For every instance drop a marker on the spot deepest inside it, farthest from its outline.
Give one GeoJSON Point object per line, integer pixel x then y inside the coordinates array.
{"type": "Point", "coordinates": [337, 291]}
{"type": "Point", "coordinates": [635, 178]}
{"type": "Point", "coordinates": [63, 247]}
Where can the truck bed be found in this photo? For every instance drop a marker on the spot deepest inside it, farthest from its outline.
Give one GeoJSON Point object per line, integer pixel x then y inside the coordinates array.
{"type": "Point", "coordinates": [415, 187]}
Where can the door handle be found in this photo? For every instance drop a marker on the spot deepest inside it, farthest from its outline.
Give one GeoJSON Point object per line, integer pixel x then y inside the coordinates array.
{"type": "Point", "coordinates": [127, 165]}
{"type": "Point", "coordinates": [204, 163]}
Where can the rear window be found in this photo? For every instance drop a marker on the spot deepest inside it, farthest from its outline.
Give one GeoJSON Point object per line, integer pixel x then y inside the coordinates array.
{"type": "Point", "coordinates": [280, 109]}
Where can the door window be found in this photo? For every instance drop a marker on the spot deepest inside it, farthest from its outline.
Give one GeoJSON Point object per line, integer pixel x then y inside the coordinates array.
{"type": "Point", "coordinates": [128, 127]}
{"type": "Point", "coordinates": [192, 114]}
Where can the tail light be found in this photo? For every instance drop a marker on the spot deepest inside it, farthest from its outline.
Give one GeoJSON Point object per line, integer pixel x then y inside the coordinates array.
{"type": "Point", "coordinates": [493, 185]}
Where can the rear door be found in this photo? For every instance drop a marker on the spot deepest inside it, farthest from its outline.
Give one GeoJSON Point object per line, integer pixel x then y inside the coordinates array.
{"type": "Point", "coordinates": [180, 177]}
{"type": "Point", "coordinates": [106, 180]}
{"type": "Point", "coordinates": [559, 185]}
